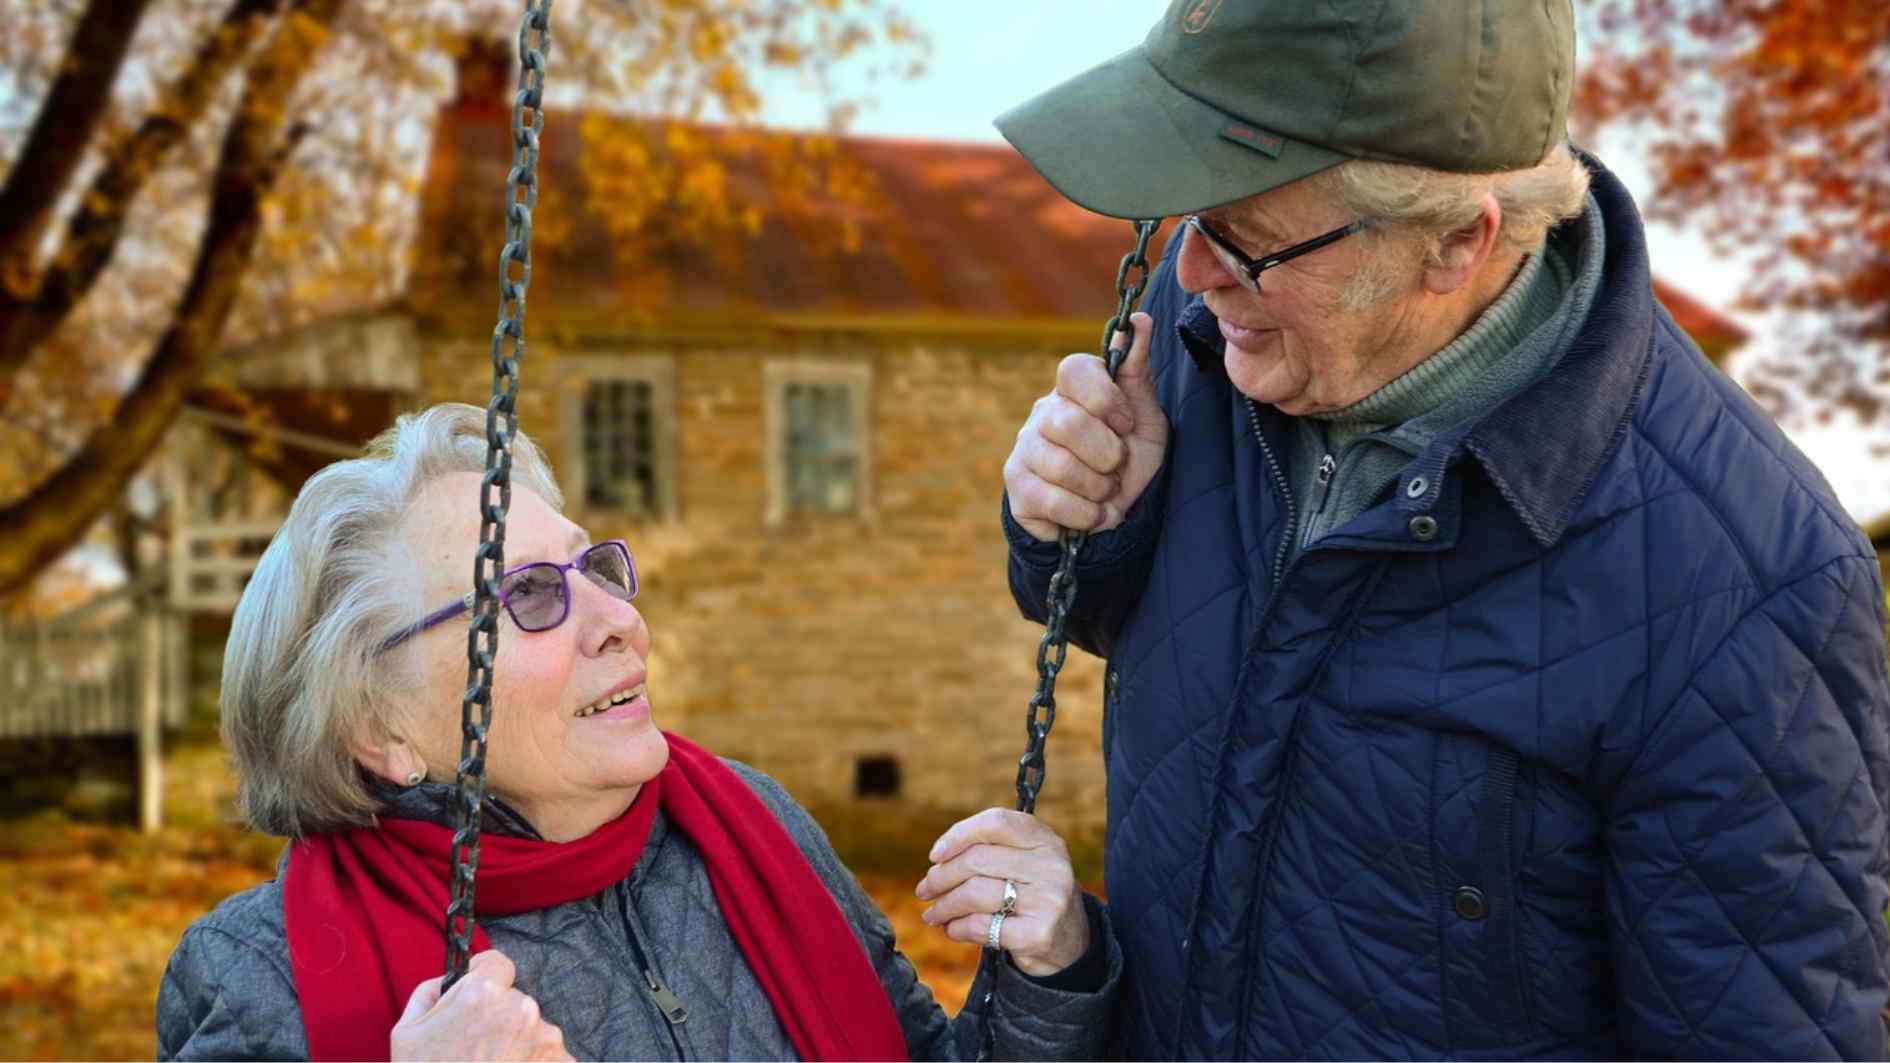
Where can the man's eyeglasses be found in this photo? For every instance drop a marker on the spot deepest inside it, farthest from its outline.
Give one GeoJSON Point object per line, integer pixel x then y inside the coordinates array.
{"type": "Point", "coordinates": [1247, 270]}
{"type": "Point", "coordinates": [538, 595]}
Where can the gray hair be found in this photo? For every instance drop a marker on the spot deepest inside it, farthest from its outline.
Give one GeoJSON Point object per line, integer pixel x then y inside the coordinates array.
{"type": "Point", "coordinates": [1402, 199]}
{"type": "Point", "coordinates": [302, 675]}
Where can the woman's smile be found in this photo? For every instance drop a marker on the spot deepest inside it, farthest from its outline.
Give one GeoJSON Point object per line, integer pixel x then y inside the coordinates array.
{"type": "Point", "coordinates": [632, 703]}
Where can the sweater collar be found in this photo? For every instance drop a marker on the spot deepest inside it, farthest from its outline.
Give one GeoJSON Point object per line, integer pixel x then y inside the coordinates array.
{"type": "Point", "coordinates": [1545, 446]}
{"type": "Point", "coordinates": [1441, 380]}
{"type": "Point", "coordinates": [438, 803]}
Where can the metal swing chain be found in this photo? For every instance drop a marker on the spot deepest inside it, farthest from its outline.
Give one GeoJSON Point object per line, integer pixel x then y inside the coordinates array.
{"type": "Point", "coordinates": [482, 641]}
{"type": "Point", "coordinates": [1042, 714]}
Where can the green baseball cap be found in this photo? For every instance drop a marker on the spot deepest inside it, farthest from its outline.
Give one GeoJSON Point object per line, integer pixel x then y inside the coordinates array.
{"type": "Point", "coordinates": [1226, 99]}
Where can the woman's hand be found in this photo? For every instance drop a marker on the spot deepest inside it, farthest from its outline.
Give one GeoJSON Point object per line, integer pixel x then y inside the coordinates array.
{"type": "Point", "coordinates": [481, 1017]}
{"type": "Point", "coordinates": [1048, 930]}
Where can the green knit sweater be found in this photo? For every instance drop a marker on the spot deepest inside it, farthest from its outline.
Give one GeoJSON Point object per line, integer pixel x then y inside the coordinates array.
{"type": "Point", "coordinates": [1344, 460]}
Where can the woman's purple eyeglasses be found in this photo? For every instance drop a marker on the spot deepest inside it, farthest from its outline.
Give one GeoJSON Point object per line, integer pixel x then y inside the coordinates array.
{"type": "Point", "coordinates": [538, 595]}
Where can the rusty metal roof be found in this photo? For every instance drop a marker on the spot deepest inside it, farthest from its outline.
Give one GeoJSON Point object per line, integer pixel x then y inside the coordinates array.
{"type": "Point", "coordinates": [946, 232]}
{"type": "Point", "coordinates": [1703, 323]}
{"type": "Point", "coordinates": [941, 230]}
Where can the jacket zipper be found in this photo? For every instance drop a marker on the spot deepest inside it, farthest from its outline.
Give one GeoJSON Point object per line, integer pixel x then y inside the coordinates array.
{"type": "Point", "coordinates": [1289, 773]}
{"type": "Point", "coordinates": [665, 999]}
{"type": "Point", "coordinates": [1322, 481]}
{"type": "Point", "coordinates": [1240, 687]}
{"type": "Point", "coordinates": [1286, 492]}
{"type": "Point", "coordinates": [671, 1004]}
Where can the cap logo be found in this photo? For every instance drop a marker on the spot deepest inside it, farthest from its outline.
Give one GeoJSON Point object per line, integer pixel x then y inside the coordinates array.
{"type": "Point", "coordinates": [1268, 144]}
{"type": "Point", "coordinates": [1199, 14]}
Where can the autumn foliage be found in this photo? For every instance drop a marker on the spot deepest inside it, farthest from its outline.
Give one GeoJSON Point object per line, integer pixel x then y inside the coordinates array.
{"type": "Point", "coordinates": [94, 910]}
{"type": "Point", "coordinates": [183, 175]}
{"type": "Point", "coordinates": [1767, 125]}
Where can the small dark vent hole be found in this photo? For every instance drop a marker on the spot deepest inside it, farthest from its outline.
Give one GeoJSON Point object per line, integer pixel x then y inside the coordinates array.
{"type": "Point", "coordinates": [876, 777]}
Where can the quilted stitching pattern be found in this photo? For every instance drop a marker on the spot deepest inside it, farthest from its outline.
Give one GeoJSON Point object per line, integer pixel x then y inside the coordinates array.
{"type": "Point", "coordinates": [1687, 657]}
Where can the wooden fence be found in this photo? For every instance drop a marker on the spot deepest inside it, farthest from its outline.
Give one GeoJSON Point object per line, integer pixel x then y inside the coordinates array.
{"type": "Point", "coordinates": [211, 562]}
{"type": "Point", "coordinates": [116, 666]}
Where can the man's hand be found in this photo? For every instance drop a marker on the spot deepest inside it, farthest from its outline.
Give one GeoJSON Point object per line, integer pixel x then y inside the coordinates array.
{"type": "Point", "coordinates": [1091, 446]}
{"type": "Point", "coordinates": [481, 1017]}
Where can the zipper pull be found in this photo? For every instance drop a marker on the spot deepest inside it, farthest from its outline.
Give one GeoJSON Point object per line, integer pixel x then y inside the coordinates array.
{"type": "Point", "coordinates": [669, 1003]}
{"type": "Point", "coordinates": [1327, 466]}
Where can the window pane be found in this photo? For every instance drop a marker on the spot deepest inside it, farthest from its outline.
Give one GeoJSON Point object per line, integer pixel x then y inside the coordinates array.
{"type": "Point", "coordinates": [619, 446]}
{"type": "Point", "coordinates": [822, 471]}
{"type": "Point", "coordinates": [839, 493]}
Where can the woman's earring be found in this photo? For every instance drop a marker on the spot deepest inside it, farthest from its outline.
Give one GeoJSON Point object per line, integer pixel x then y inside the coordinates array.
{"type": "Point", "coordinates": [414, 778]}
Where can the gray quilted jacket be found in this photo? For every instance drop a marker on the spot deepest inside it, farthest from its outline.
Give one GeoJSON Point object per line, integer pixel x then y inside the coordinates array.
{"type": "Point", "coordinates": [228, 992]}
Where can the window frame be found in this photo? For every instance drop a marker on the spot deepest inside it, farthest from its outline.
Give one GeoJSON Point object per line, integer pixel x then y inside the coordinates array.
{"type": "Point", "coordinates": [659, 372]}
{"type": "Point", "coordinates": [857, 379]}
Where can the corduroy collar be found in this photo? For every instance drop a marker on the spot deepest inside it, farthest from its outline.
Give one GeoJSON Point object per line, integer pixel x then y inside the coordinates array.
{"type": "Point", "coordinates": [1543, 448]}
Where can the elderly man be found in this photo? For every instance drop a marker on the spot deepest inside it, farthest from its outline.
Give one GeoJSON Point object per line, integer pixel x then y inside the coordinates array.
{"type": "Point", "coordinates": [1487, 676]}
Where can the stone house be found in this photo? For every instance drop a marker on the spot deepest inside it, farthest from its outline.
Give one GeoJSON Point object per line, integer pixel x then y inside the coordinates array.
{"type": "Point", "coordinates": [800, 432]}
{"type": "Point", "coordinates": [801, 441]}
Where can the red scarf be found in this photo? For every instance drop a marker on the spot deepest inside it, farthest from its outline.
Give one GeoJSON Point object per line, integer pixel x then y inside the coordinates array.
{"type": "Point", "coordinates": [365, 907]}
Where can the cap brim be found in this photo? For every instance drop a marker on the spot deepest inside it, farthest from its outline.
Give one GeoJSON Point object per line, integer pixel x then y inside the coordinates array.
{"type": "Point", "coordinates": [1120, 140]}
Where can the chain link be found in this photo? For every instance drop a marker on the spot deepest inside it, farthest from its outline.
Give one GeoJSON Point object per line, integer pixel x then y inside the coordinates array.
{"type": "Point", "coordinates": [508, 346]}
{"type": "Point", "coordinates": [1042, 713]}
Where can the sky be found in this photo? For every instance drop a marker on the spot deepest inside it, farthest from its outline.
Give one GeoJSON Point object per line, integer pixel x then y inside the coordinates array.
{"type": "Point", "coordinates": [987, 56]}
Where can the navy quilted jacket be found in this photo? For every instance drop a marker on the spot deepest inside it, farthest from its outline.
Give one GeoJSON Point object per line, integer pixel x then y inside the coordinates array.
{"type": "Point", "coordinates": [1593, 765]}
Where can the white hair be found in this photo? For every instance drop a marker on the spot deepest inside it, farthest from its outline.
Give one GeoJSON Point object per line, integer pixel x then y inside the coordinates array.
{"type": "Point", "coordinates": [302, 671]}
{"type": "Point", "coordinates": [1403, 200]}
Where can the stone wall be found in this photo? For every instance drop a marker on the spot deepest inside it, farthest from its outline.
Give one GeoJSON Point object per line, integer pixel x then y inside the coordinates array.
{"type": "Point", "coordinates": [806, 646]}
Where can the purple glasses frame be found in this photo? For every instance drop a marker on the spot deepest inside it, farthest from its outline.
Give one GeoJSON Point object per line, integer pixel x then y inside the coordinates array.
{"type": "Point", "coordinates": [448, 612]}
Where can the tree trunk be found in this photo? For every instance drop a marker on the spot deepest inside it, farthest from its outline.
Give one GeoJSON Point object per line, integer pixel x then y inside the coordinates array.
{"type": "Point", "coordinates": [36, 528]}
{"type": "Point", "coordinates": [32, 306]}
{"type": "Point", "coordinates": [74, 104]}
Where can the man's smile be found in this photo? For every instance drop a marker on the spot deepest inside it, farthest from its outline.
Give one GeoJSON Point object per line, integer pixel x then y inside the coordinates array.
{"type": "Point", "coordinates": [1241, 336]}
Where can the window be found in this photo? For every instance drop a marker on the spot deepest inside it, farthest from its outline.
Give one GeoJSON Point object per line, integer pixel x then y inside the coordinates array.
{"type": "Point", "coordinates": [817, 427]}
{"type": "Point", "coordinates": [620, 435]}
{"type": "Point", "coordinates": [876, 777]}
{"type": "Point", "coordinates": [821, 455]}
{"type": "Point", "coordinates": [619, 446]}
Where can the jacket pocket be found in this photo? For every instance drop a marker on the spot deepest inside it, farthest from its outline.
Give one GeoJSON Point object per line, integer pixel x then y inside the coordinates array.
{"type": "Point", "coordinates": [1496, 822]}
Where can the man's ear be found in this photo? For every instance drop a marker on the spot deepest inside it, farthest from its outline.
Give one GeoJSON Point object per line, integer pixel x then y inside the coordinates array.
{"type": "Point", "coordinates": [1461, 253]}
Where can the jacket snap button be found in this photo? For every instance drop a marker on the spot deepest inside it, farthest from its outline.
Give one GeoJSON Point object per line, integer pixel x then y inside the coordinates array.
{"type": "Point", "coordinates": [1423, 527]}
{"type": "Point", "coordinates": [1417, 487]}
{"type": "Point", "coordinates": [1468, 903]}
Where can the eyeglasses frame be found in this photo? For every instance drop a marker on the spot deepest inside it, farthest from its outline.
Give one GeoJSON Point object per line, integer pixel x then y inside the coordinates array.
{"type": "Point", "coordinates": [448, 612]}
{"type": "Point", "coordinates": [1248, 268]}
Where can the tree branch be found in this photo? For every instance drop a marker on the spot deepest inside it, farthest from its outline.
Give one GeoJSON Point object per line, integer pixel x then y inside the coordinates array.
{"type": "Point", "coordinates": [75, 103]}
{"type": "Point", "coordinates": [38, 527]}
{"type": "Point", "coordinates": [33, 310]}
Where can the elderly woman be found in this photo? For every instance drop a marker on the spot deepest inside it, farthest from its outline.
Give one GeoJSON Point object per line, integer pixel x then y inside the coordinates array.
{"type": "Point", "coordinates": [638, 897]}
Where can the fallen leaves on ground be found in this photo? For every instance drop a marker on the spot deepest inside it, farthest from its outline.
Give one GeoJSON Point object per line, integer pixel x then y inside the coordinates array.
{"type": "Point", "coordinates": [95, 910]}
